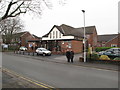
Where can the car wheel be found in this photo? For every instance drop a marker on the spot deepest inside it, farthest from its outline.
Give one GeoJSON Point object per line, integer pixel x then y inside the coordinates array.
{"type": "Point", "coordinates": [37, 54]}
{"type": "Point", "coordinates": [44, 54]}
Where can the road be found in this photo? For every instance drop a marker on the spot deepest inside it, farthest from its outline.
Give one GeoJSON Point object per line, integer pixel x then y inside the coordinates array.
{"type": "Point", "coordinates": [61, 75]}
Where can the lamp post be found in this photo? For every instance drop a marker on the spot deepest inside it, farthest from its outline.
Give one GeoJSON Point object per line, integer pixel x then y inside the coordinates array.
{"type": "Point", "coordinates": [84, 41]}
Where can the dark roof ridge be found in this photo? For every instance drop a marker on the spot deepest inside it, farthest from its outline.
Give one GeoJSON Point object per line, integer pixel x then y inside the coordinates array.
{"type": "Point", "coordinates": [21, 32]}
{"type": "Point", "coordinates": [107, 34]}
{"type": "Point", "coordinates": [66, 25]}
{"type": "Point", "coordinates": [85, 27]}
{"type": "Point", "coordinates": [69, 30]}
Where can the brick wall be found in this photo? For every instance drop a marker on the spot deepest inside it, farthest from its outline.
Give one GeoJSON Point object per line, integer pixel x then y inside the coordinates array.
{"type": "Point", "coordinates": [92, 39]}
{"type": "Point", "coordinates": [94, 43]}
{"type": "Point", "coordinates": [101, 44]}
{"type": "Point", "coordinates": [25, 37]}
{"type": "Point", "coordinates": [113, 41]}
{"type": "Point", "coordinates": [77, 46]}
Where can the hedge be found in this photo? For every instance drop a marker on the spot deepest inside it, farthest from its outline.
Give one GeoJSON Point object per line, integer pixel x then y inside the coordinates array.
{"type": "Point", "coordinates": [98, 49]}
{"type": "Point", "coordinates": [12, 47]}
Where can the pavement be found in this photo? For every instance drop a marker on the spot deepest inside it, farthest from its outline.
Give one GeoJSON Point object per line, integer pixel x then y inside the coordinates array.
{"type": "Point", "coordinates": [62, 59]}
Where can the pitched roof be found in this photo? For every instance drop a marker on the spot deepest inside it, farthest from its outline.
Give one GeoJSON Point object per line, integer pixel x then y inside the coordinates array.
{"type": "Point", "coordinates": [18, 34]}
{"type": "Point", "coordinates": [36, 36]}
{"type": "Point", "coordinates": [68, 30]}
{"type": "Point", "coordinates": [106, 37]}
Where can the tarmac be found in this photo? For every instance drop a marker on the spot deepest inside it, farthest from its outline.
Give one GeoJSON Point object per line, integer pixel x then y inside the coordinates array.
{"type": "Point", "coordinates": [96, 64]}
{"type": "Point", "coordinates": [63, 60]}
{"type": "Point", "coordinates": [11, 81]}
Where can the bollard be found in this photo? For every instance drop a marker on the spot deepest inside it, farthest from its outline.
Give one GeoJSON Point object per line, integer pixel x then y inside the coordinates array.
{"type": "Point", "coordinates": [23, 52]}
{"type": "Point", "coordinates": [33, 53]}
{"type": "Point", "coordinates": [28, 53]}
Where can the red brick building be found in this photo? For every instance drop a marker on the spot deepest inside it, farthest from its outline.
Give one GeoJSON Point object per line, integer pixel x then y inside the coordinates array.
{"type": "Point", "coordinates": [109, 40]}
{"type": "Point", "coordinates": [24, 38]}
{"type": "Point", "coordinates": [20, 39]}
{"type": "Point", "coordinates": [34, 42]}
{"type": "Point", "coordinates": [63, 37]}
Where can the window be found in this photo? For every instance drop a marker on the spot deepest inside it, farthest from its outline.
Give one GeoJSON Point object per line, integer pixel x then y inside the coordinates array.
{"type": "Point", "coordinates": [113, 45]}
{"type": "Point", "coordinates": [13, 40]}
{"type": "Point", "coordinates": [69, 45]}
{"type": "Point", "coordinates": [53, 34]}
{"type": "Point", "coordinates": [103, 45]}
{"type": "Point", "coordinates": [68, 41]}
{"type": "Point", "coordinates": [59, 35]}
{"type": "Point", "coordinates": [56, 34]}
{"type": "Point", "coordinates": [16, 39]}
{"type": "Point", "coordinates": [50, 35]}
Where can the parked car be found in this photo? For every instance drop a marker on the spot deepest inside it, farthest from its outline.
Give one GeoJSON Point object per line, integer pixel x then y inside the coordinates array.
{"type": "Point", "coordinates": [115, 52]}
{"type": "Point", "coordinates": [4, 46]}
{"type": "Point", "coordinates": [23, 48]}
{"type": "Point", "coordinates": [43, 51]}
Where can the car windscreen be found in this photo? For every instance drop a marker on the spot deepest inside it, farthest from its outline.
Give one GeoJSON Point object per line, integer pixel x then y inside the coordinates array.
{"type": "Point", "coordinates": [43, 49]}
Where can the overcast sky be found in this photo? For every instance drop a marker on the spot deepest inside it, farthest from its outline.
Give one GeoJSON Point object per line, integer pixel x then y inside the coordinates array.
{"type": "Point", "coordinates": [101, 13]}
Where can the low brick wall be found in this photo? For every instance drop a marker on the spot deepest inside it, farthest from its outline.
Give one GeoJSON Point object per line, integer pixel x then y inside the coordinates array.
{"type": "Point", "coordinates": [117, 62]}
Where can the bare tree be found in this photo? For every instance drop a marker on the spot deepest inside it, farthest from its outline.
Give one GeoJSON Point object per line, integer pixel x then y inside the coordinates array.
{"type": "Point", "coordinates": [16, 7]}
{"type": "Point", "coordinates": [9, 27]}
{"type": "Point", "coordinates": [13, 8]}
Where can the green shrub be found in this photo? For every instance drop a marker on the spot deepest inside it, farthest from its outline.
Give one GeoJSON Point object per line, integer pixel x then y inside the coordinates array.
{"type": "Point", "coordinates": [117, 58]}
{"type": "Point", "coordinates": [98, 49]}
{"type": "Point", "coordinates": [104, 57]}
{"type": "Point", "coordinates": [12, 47]}
{"type": "Point", "coordinates": [93, 56]}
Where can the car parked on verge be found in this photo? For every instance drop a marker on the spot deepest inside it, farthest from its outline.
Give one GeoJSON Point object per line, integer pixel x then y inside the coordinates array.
{"type": "Point", "coordinates": [115, 52]}
{"type": "Point", "coordinates": [23, 48]}
{"type": "Point", "coordinates": [43, 51]}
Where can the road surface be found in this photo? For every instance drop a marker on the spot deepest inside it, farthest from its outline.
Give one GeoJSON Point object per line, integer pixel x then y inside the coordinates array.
{"type": "Point", "coordinates": [61, 75]}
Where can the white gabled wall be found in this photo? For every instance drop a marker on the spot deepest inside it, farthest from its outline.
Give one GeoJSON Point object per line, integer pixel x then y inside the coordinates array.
{"type": "Point", "coordinates": [55, 34]}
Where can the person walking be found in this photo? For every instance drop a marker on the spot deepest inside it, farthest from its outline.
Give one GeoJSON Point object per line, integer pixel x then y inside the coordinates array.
{"type": "Point", "coordinates": [68, 55]}
{"type": "Point", "coordinates": [71, 55]}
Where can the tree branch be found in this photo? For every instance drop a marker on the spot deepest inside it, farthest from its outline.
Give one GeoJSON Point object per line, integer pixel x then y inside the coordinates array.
{"type": "Point", "coordinates": [16, 9]}
{"type": "Point", "coordinates": [7, 11]}
{"type": "Point", "coordinates": [16, 14]}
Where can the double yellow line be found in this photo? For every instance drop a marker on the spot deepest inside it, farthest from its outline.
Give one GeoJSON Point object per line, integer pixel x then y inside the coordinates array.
{"type": "Point", "coordinates": [29, 79]}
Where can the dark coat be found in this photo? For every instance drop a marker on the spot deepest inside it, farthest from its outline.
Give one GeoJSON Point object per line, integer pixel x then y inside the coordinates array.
{"type": "Point", "coordinates": [68, 54]}
{"type": "Point", "coordinates": [71, 54]}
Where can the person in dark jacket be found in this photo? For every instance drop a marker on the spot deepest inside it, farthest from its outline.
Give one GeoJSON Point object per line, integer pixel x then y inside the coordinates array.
{"type": "Point", "coordinates": [68, 55]}
{"type": "Point", "coordinates": [71, 55]}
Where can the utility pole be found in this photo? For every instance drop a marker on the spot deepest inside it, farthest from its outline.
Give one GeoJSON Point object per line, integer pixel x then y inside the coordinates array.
{"type": "Point", "coordinates": [84, 41]}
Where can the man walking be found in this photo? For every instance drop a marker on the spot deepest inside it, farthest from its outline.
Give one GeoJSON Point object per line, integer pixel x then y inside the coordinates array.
{"type": "Point", "coordinates": [68, 55]}
{"type": "Point", "coordinates": [71, 55]}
